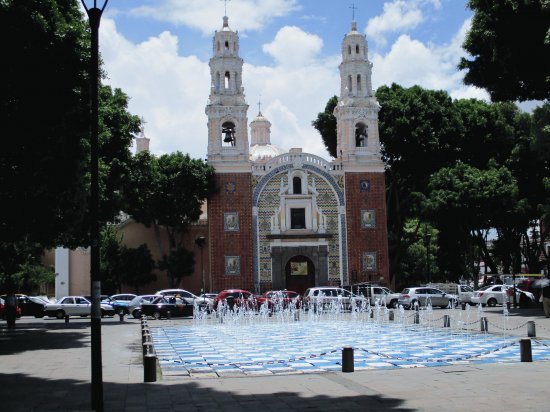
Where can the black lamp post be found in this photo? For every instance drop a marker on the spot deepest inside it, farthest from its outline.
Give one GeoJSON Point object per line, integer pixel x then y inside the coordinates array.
{"type": "Point", "coordinates": [200, 242]}
{"type": "Point", "coordinates": [94, 16]}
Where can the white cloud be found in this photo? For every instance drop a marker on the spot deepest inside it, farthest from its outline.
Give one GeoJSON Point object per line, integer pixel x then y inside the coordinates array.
{"type": "Point", "coordinates": [205, 15]}
{"type": "Point", "coordinates": [293, 47]}
{"type": "Point", "coordinates": [168, 90]}
{"type": "Point", "coordinates": [411, 62]}
{"type": "Point", "coordinates": [397, 16]}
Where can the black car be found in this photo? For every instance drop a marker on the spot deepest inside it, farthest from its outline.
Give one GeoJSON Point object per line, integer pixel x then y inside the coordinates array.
{"type": "Point", "coordinates": [165, 307]}
{"type": "Point", "coordinates": [30, 306]}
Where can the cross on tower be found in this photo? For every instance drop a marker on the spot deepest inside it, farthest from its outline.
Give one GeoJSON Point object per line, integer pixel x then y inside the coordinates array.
{"type": "Point", "coordinates": [225, 6]}
{"type": "Point", "coordinates": [260, 104]}
{"type": "Point", "coordinates": [353, 8]}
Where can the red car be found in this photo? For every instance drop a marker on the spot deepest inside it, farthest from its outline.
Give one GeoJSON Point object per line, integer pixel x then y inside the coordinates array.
{"type": "Point", "coordinates": [284, 297]}
{"type": "Point", "coordinates": [2, 304]}
{"type": "Point", "coordinates": [236, 297]}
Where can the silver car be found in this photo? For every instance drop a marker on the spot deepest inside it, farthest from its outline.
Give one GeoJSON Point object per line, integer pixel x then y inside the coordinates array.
{"type": "Point", "coordinates": [424, 296]}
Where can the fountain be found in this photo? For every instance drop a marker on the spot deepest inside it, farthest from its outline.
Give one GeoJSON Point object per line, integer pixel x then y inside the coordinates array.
{"type": "Point", "coordinates": [284, 337]}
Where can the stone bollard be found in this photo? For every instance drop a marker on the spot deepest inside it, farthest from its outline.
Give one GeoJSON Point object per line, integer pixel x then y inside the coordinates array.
{"type": "Point", "coordinates": [417, 317]}
{"type": "Point", "coordinates": [531, 331]}
{"type": "Point", "coordinates": [390, 315]}
{"type": "Point", "coordinates": [150, 368]}
{"type": "Point", "coordinates": [66, 318]}
{"type": "Point", "coordinates": [446, 321]}
{"type": "Point", "coordinates": [463, 305]}
{"type": "Point", "coordinates": [347, 359]}
{"type": "Point", "coordinates": [121, 316]}
{"type": "Point", "coordinates": [146, 337]}
{"type": "Point", "coordinates": [484, 325]}
{"type": "Point", "coordinates": [296, 316]}
{"type": "Point", "coordinates": [525, 350]}
{"type": "Point", "coordinates": [168, 314]}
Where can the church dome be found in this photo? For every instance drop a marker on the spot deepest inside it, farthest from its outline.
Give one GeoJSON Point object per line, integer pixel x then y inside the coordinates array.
{"type": "Point", "coordinates": [264, 152]}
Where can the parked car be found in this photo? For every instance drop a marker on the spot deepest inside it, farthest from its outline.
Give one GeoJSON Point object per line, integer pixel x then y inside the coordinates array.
{"type": "Point", "coordinates": [464, 292]}
{"type": "Point", "coordinates": [74, 306]}
{"type": "Point", "coordinates": [134, 306]}
{"type": "Point", "coordinates": [280, 299]}
{"type": "Point", "coordinates": [29, 305]}
{"type": "Point", "coordinates": [166, 306]}
{"type": "Point", "coordinates": [376, 293]}
{"type": "Point", "coordinates": [425, 295]}
{"type": "Point", "coordinates": [187, 296]}
{"type": "Point", "coordinates": [327, 296]}
{"type": "Point", "coordinates": [2, 305]}
{"type": "Point", "coordinates": [236, 297]}
{"type": "Point", "coordinates": [120, 302]}
{"type": "Point", "coordinates": [493, 295]}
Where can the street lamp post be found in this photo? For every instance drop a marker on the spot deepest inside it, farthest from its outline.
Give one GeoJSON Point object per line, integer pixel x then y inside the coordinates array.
{"type": "Point", "coordinates": [200, 242]}
{"type": "Point", "coordinates": [94, 16]}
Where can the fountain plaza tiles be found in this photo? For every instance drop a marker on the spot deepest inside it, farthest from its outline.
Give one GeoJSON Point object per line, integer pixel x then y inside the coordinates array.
{"type": "Point", "coordinates": [210, 350]}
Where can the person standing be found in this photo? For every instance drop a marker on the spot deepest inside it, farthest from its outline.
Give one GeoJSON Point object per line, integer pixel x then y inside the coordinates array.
{"type": "Point", "coordinates": [11, 309]}
{"type": "Point", "coordinates": [546, 300]}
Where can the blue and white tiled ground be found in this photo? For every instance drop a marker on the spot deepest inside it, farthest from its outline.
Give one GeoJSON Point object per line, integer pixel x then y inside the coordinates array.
{"type": "Point", "coordinates": [315, 347]}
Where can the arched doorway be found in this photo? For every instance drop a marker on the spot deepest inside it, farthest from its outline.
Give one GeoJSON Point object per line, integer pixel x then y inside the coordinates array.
{"type": "Point", "coordinates": [300, 274]}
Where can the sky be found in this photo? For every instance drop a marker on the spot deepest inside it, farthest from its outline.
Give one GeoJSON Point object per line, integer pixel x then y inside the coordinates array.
{"type": "Point", "coordinates": [157, 52]}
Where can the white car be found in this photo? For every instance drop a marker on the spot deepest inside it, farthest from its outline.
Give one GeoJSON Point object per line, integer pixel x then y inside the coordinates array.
{"type": "Point", "coordinates": [188, 297]}
{"type": "Point", "coordinates": [326, 297]}
{"type": "Point", "coordinates": [75, 306]}
{"type": "Point", "coordinates": [498, 295]}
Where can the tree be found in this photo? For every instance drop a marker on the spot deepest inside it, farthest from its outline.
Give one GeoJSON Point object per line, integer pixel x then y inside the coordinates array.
{"type": "Point", "coordinates": [44, 120]}
{"type": "Point", "coordinates": [509, 42]}
{"type": "Point", "coordinates": [415, 124]}
{"type": "Point", "coordinates": [326, 125]}
{"type": "Point", "coordinates": [137, 265]}
{"type": "Point", "coordinates": [168, 192]}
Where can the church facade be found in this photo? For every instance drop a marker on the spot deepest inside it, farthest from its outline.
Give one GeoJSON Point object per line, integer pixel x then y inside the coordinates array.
{"type": "Point", "coordinates": [289, 219]}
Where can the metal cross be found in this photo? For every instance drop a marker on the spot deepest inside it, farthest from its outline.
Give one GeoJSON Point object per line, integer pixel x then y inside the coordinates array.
{"type": "Point", "coordinates": [225, 6]}
{"type": "Point", "coordinates": [260, 104]}
{"type": "Point", "coordinates": [353, 8]}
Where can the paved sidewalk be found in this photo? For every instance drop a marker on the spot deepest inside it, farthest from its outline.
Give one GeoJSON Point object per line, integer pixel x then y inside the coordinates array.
{"type": "Point", "coordinates": [45, 366]}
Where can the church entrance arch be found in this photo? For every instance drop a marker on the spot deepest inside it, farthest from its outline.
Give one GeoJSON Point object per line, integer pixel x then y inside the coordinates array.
{"type": "Point", "coordinates": [299, 274]}
{"type": "Point", "coordinates": [314, 259]}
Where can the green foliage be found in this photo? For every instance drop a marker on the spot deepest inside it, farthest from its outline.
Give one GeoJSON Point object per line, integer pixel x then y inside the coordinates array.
{"type": "Point", "coordinates": [179, 263]}
{"type": "Point", "coordinates": [509, 42]}
{"type": "Point", "coordinates": [21, 268]}
{"type": "Point", "coordinates": [423, 251]}
{"type": "Point", "coordinates": [43, 120]}
{"type": "Point", "coordinates": [326, 126]}
{"type": "Point", "coordinates": [122, 265]}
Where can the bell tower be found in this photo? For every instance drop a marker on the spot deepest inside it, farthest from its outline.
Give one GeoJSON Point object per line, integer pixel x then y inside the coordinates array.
{"type": "Point", "coordinates": [358, 143]}
{"type": "Point", "coordinates": [358, 148]}
{"type": "Point", "coordinates": [227, 108]}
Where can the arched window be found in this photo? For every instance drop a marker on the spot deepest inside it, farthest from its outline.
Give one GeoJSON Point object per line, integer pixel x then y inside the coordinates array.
{"type": "Point", "coordinates": [217, 81]}
{"type": "Point", "coordinates": [297, 185]}
{"type": "Point", "coordinates": [218, 48]}
{"type": "Point", "coordinates": [350, 83]}
{"type": "Point", "coordinates": [356, 49]}
{"type": "Point", "coordinates": [228, 134]}
{"type": "Point", "coordinates": [349, 49]}
{"type": "Point", "coordinates": [226, 45]}
{"type": "Point", "coordinates": [361, 135]}
{"type": "Point", "coordinates": [227, 78]}
{"type": "Point", "coordinates": [359, 82]}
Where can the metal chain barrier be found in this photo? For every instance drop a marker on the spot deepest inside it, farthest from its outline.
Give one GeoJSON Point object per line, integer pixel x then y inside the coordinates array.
{"type": "Point", "coordinates": [539, 326]}
{"type": "Point", "coordinates": [503, 328]}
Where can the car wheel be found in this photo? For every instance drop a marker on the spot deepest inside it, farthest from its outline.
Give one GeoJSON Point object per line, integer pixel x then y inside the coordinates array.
{"type": "Point", "coordinates": [492, 302]}
{"type": "Point", "coordinates": [393, 304]}
{"type": "Point", "coordinates": [413, 304]}
{"type": "Point", "coordinates": [136, 314]}
{"type": "Point", "coordinates": [156, 315]}
{"type": "Point", "coordinates": [60, 314]}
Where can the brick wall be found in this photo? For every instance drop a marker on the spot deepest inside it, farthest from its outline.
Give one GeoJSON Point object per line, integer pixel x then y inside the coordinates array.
{"type": "Point", "coordinates": [366, 192]}
{"type": "Point", "coordinates": [235, 195]}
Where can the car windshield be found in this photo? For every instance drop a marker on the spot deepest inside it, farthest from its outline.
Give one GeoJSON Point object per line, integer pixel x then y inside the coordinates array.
{"type": "Point", "coordinates": [405, 291]}
{"type": "Point", "coordinates": [486, 287]}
